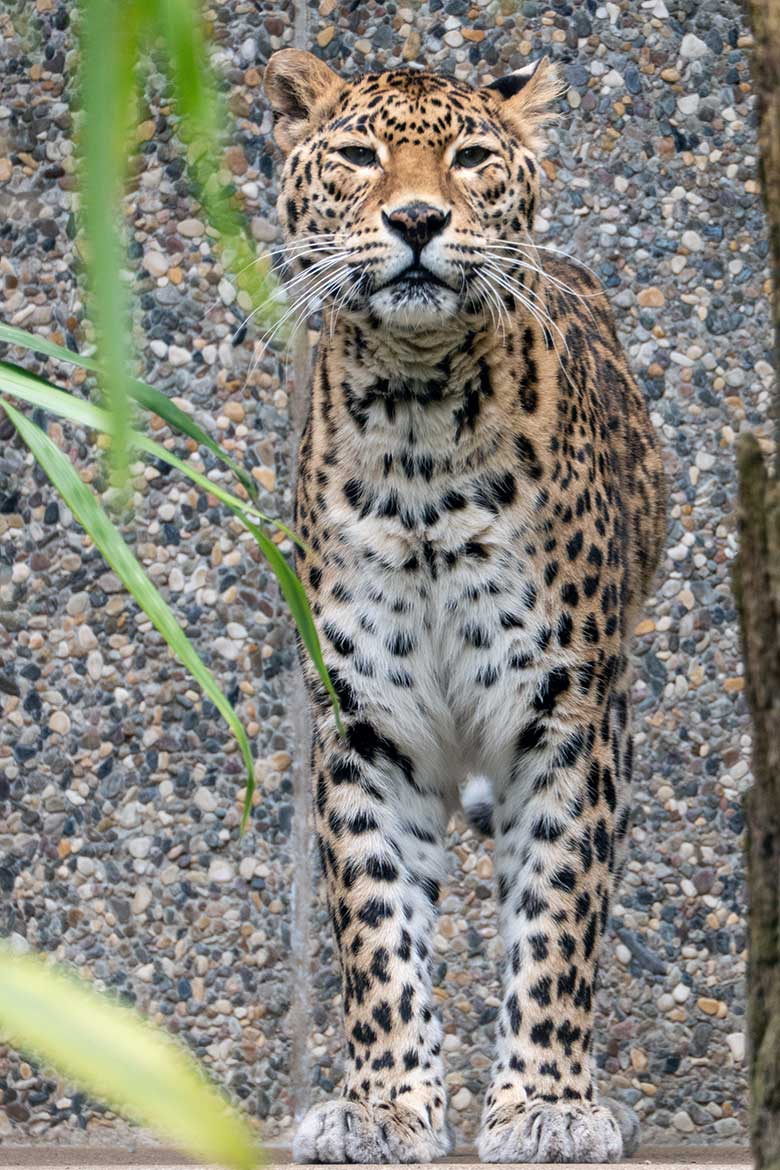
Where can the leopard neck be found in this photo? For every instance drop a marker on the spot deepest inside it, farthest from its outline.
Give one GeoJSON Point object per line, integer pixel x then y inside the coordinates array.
{"type": "Point", "coordinates": [402, 361]}
{"type": "Point", "coordinates": [457, 408]}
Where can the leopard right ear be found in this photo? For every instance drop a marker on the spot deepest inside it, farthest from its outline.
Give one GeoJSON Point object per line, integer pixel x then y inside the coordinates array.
{"type": "Point", "coordinates": [300, 88]}
{"type": "Point", "coordinates": [527, 96]}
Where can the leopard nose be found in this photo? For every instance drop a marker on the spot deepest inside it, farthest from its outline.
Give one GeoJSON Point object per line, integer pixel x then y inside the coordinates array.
{"type": "Point", "coordinates": [416, 223]}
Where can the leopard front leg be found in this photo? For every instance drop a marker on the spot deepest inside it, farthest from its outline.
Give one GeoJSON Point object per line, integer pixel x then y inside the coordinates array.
{"type": "Point", "coordinates": [560, 818]}
{"type": "Point", "coordinates": [380, 830]}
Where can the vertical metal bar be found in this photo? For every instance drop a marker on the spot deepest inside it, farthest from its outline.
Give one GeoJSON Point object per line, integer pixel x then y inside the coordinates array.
{"type": "Point", "coordinates": [303, 829]}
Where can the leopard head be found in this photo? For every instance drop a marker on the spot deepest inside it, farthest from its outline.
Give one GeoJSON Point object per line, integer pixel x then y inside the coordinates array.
{"type": "Point", "coordinates": [406, 195]}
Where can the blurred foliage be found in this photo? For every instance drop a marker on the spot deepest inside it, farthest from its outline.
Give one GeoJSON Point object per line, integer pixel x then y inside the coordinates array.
{"type": "Point", "coordinates": [118, 38]}
{"type": "Point", "coordinates": [116, 1056]}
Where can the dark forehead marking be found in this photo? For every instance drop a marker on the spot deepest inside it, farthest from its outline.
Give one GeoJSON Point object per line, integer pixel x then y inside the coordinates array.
{"type": "Point", "coordinates": [413, 81]}
{"type": "Point", "coordinates": [397, 95]}
{"type": "Point", "coordinates": [414, 85]}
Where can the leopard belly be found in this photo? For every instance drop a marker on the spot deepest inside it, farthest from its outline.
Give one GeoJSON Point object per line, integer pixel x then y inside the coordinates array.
{"type": "Point", "coordinates": [450, 658]}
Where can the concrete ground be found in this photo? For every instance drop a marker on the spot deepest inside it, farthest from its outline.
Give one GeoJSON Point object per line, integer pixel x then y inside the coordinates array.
{"type": "Point", "coordinates": [97, 1158]}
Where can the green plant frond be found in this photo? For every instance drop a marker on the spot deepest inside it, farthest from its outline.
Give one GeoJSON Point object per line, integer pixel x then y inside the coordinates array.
{"type": "Point", "coordinates": [203, 119]}
{"type": "Point", "coordinates": [141, 392]}
{"type": "Point", "coordinates": [117, 36]}
{"type": "Point", "coordinates": [37, 392]}
{"type": "Point", "coordinates": [297, 601]}
{"type": "Point", "coordinates": [109, 53]}
{"type": "Point", "coordinates": [94, 520]}
{"type": "Point", "coordinates": [12, 335]}
{"type": "Point", "coordinates": [116, 1056]}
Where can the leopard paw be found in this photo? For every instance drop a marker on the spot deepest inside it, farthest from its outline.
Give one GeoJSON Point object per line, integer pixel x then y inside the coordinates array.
{"type": "Point", "coordinates": [542, 1132]}
{"type": "Point", "coordinates": [356, 1131]}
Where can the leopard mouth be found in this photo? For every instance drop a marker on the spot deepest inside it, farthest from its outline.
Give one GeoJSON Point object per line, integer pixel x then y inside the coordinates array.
{"type": "Point", "coordinates": [416, 276]}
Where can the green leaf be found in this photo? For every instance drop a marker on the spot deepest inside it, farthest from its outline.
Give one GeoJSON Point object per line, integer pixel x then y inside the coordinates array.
{"type": "Point", "coordinates": [87, 510]}
{"type": "Point", "coordinates": [143, 394]}
{"type": "Point", "coordinates": [109, 53]}
{"type": "Point", "coordinates": [298, 603]}
{"type": "Point", "coordinates": [35, 391]}
{"type": "Point", "coordinates": [38, 392]}
{"type": "Point", "coordinates": [179, 420]}
{"type": "Point", "coordinates": [12, 335]}
{"type": "Point", "coordinates": [112, 1053]}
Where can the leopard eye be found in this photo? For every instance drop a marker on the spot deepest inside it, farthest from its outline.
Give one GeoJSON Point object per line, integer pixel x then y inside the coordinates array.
{"type": "Point", "coordinates": [359, 156]}
{"type": "Point", "coordinates": [471, 156]}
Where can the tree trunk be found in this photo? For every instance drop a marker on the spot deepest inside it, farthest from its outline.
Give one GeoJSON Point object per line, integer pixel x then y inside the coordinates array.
{"type": "Point", "coordinates": [765, 19]}
{"type": "Point", "coordinates": [757, 580]}
{"type": "Point", "coordinates": [757, 587]}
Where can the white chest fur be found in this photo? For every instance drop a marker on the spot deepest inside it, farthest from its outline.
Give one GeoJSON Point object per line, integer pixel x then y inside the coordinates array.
{"type": "Point", "coordinates": [438, 621]}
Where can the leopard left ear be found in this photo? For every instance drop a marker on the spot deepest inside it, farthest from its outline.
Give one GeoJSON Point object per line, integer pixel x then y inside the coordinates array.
{"type": "Point", "coordinates": [301, 89]}
{"type": "Point", "coordinates": [526, 96]}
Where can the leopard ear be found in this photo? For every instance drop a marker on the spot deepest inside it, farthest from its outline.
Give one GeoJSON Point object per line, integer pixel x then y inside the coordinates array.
{"type": "Point", "coordinates": [526, 97]}
{"type": "Point", "coordinates": [300, 88]}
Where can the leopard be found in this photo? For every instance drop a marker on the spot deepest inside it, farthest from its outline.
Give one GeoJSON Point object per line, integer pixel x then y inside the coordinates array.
{"type": "Point", "coordinates": [480, 507]}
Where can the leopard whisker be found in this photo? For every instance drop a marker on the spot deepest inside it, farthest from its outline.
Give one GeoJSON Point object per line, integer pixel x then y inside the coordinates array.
{"type": "Point", "coordinates": [544, 320]}
{"type": "Point", "coordinates": [546, 279]}
{"type": "Point", "coordinates": [316, 269]}
{"type": "Point", "coordinates": [508, 249]}
{"type": "Point", "coordinates": [522, 294]}
{"type": "Point", "coordinates": [540, 315]}
{"type": "Point", "coordinates": [493, 298]}
{"type": "Point", "coordinates": [306, 296]}
{"type": "Point", "coordinates": [486, 300]}
{"type": "Point", "coordinates": [313, 243]}
{"type": "Point", "coordinates": [533, 246]}
{"type": "Point", "coordinates": [299, 310]}
{"type": "Point", "coordinates": [349, 287]}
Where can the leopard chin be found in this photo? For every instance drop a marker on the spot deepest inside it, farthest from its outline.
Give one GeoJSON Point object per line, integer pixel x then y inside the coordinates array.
{"type": "Point", "coordinates": [414, 306]}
